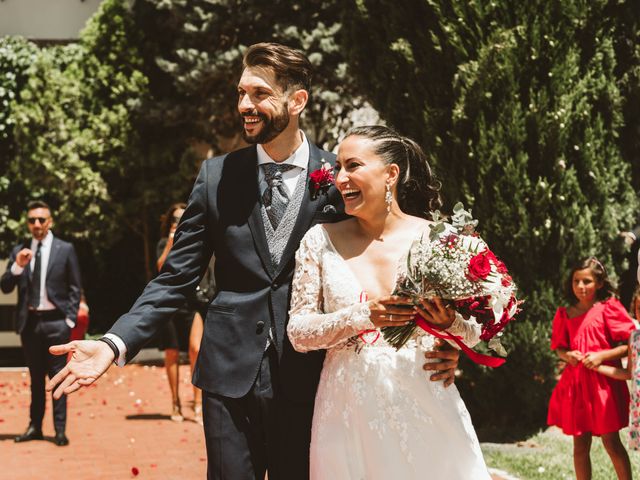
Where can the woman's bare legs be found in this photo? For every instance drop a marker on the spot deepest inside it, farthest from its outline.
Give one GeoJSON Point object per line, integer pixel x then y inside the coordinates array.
{"type": "Point", "coordinates": [195, 337]}
{"type": "Point", "coordinates": [582, 456]}
{"type": "Point", "coordinates": [172, 365]}
{"type": "Point", "coordinates": [618, 454]}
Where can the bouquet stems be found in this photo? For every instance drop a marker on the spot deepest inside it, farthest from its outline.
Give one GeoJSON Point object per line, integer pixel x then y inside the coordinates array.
{"type": "Point", "coordinates": [397, 337]}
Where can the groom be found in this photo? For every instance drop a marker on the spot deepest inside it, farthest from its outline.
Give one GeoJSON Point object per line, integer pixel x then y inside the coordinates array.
{"type": "Point", "coordinates": [250, 208]}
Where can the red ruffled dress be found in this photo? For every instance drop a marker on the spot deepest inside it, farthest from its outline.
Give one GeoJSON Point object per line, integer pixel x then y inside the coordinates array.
{"type": "Point", "coordinates": [584, 400]}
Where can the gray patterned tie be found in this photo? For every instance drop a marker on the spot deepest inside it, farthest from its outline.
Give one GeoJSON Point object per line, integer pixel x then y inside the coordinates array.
{"type": "Point", "coordinates": [274, 197]}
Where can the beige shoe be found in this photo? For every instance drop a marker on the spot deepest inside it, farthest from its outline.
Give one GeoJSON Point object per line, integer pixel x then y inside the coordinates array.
{"type": "Point", "coordinates": [197, 413]}
{"type": "Point", "coordinates": [176, 414]}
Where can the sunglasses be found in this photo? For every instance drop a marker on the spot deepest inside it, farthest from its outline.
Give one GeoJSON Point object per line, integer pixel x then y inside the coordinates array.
{"type": "Point", "coordinates": [33, 220]}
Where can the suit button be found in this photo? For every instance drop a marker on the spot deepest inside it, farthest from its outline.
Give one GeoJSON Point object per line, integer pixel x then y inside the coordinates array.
{"type": "Point", "coordinates": [274, 286]}
{"type": "Point", "coordinates": [259, 327]}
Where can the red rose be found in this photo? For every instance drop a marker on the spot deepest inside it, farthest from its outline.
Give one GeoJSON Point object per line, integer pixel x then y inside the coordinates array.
{"type": "Point", "coordinates": [500, 267]}
{"type": "Point", "coordinates": [479, 267]}
{"type": "Point", "coordinates": [477, 307]}
{"type": "Point", "coordinates": [490, 330]}
{"type": "Point", "coordinates": [321, 177]}
{"type": "Point", "coordinates": [320, 180]}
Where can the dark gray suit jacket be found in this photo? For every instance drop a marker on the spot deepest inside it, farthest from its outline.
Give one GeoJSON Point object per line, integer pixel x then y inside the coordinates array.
{"type": "Point", "coordinates": [62, 282]}
{"type": "Point", "coordinates": [223, 217]}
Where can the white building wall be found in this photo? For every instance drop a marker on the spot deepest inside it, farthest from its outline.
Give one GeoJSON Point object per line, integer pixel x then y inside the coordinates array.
{"type": "Point", "coordinates": [45, 19]}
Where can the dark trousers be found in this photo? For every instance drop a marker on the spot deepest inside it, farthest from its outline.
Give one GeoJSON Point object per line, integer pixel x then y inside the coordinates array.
{"type": "Point", "coordinates": [259, 432]}
{"type": "Point", "coordinates": [38, 335]}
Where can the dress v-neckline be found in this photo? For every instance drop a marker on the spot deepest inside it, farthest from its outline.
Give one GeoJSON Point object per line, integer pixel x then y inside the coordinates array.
{"type": "Point", "coordinates": [403, 258]}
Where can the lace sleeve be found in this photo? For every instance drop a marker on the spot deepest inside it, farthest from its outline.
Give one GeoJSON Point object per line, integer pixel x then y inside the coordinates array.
{"type": "Point", "coordinates": [309, 327]}
{"type": "Point", "coordinates": [467, 330]}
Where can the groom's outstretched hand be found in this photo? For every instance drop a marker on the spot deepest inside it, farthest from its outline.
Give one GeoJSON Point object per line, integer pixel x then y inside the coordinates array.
{"type": "Point", "coordinates": [89, 360]}
{"type": "Point", "coordinates": [445, 368]}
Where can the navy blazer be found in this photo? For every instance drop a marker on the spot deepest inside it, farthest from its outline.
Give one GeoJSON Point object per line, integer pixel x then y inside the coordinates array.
{"type": "Point", "coordinates": [223, 217]}
{"type": "Point", "coordinates": [63, 282]}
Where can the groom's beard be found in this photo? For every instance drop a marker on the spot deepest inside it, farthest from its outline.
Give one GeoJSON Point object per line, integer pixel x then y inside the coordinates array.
{"type": "Point", "coordinates": [271, 127]}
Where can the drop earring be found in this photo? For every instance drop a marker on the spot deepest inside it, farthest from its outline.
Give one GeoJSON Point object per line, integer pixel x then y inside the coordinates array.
{"type": "Point", "coordinates": [388, 198]}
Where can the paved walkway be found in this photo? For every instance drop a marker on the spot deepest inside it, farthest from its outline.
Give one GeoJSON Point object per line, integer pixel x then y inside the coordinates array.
{"type": "Point", "coordinates": [118, 429]}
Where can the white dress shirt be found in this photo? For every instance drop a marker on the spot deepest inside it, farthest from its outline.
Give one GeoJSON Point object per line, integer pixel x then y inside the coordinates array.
{"type": "Point", "coordinates": [299, 158]}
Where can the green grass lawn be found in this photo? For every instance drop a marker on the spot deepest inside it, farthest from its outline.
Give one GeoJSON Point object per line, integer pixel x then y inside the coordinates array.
{"type": "Point", "coordinates": [548, 456]}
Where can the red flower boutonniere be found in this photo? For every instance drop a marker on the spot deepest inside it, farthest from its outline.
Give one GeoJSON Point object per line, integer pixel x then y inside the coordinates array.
{"type": "Point", "coordinates": [321, 180]}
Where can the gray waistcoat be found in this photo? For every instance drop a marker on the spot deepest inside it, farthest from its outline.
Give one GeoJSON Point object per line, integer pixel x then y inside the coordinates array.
{"type": "Point", "coordinates": [277, 240]}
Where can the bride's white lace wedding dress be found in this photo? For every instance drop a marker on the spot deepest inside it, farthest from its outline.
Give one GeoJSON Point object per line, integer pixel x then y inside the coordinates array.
{"type": "Point", "coordinates": [377, 415]}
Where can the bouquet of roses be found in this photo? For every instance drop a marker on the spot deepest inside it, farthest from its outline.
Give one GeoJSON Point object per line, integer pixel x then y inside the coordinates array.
{"type": "Point", "coordinates": [455, 264]}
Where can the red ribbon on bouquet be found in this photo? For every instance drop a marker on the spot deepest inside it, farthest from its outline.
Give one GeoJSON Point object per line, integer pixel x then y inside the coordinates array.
{"type": "Point", "coordinates": [479, 358]}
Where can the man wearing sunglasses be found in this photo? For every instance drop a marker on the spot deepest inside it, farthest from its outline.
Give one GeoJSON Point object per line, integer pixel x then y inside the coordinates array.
{"type": "Point", "coordinates": [45, 270]}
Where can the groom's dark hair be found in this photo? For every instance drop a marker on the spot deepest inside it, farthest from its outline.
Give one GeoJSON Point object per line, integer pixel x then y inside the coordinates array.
{"type": "Point", "coordinates": [291, 66]}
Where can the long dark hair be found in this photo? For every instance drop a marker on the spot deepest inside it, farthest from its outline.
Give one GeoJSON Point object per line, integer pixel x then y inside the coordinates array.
{"type": "Point", "coordinates": [167, 219]}
{"type": "Point", "coordinates": [418, 190]}
{"type": "Point", "coordinates": [607, 290]}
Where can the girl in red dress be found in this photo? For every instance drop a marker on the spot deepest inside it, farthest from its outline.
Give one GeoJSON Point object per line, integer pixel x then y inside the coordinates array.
{"type": "Point", "coordinates": [586, 335]}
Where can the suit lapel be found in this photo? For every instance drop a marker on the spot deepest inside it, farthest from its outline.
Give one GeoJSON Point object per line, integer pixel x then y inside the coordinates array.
{"type": "Point", "coordinates": [53, 254]}
{"type": "Point", "coordinates": [27, 268]}
{"type": "Point", "coordinates": [255, 222]}
{"type": "Point", "coordinates": [305, 215]}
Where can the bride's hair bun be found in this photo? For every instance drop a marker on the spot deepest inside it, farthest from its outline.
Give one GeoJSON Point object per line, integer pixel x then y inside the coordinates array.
{"type": "Point", "coordinates": [418, 190]}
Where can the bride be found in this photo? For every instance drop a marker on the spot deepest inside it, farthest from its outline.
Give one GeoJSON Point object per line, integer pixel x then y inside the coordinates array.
{"type": "Point", "coordinates": [376, 416]}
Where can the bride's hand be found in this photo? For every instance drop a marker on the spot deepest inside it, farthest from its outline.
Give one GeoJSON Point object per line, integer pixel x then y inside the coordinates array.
{"type": "Point", "coordinates": [437, 312]}
{"type": "Point", "coordinates": [391, 311]}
